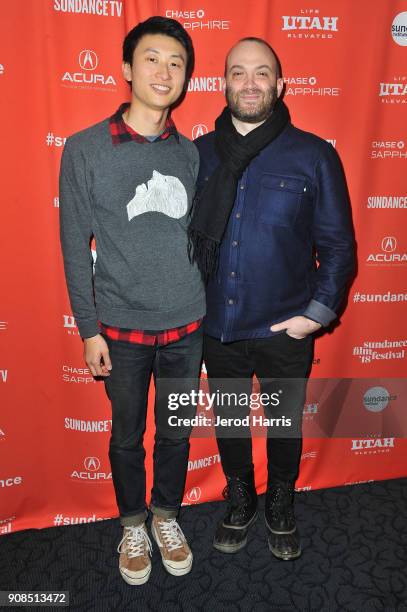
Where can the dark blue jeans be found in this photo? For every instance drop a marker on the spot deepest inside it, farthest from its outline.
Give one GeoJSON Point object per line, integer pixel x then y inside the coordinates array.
{"type": "Point", "coordinates": [127, 388]}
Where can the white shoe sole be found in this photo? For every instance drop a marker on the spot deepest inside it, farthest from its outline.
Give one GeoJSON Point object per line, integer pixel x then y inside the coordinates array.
{"type": "Point", "coordinates": [175, 571]}
{"type": "Point", "coordinates": [138, 580]}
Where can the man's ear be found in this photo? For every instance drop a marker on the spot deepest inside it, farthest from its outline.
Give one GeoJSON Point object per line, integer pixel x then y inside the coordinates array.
{"type": "Point", "coordinates": [280, 86]}
{"type": "Point", "coordinates": [126, 70]}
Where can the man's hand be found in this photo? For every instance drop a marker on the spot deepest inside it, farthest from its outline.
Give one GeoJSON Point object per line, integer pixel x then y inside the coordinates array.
{"type": "Point", "coordinates": [96, 354]}
{"type": "Point", "coordinates": [297, 327]}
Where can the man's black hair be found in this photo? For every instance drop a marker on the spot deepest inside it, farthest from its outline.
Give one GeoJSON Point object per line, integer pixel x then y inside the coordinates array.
{"type": "Point", "coordinates": [166, 27]}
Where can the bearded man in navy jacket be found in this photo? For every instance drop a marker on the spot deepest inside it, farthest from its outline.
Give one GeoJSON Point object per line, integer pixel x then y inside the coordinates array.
{"type": "Point", "coordinates": [272, 235]}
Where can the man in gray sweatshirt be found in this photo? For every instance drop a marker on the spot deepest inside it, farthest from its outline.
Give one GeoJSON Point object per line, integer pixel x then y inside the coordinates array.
{"type": "Point", "coordinates": [129, 182]}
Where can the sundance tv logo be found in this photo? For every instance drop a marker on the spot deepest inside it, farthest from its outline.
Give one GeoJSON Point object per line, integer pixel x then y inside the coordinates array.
{"type": "Point", "coordinates": [309, 24]}
{"type": "Point", "coordinates": [390, 255]}
{"type": "Point", "coordinates": [87, 77]}
{"type": "Point", "coordinates": [102, 8]}
{"type": "Point", "coordinates": [92, 472]}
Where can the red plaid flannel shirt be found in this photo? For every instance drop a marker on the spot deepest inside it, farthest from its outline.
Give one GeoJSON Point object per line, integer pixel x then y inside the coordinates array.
{"type": "Point", "coordinates": [121, 132]}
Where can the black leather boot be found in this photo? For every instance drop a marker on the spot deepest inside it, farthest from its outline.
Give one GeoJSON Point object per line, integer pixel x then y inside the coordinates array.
{"type": "Point", "coordinates": [240, 494]}
{"type": "Point", "coordinates": [283, 537]}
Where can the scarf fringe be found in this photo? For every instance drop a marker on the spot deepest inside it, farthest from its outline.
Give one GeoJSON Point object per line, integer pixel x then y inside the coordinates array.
{"type": "Point", "coordinates": [203, 251]}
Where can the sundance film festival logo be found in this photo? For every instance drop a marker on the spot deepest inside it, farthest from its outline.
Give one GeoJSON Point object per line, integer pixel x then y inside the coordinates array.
{"type": "Point", "coordinates": [199, 130]}
{"type": "Point", "coordinates": [372, 446]}
{"type": "Point", "coordinates": [390, 255]}
{"type": "Point", "coordinates": [197, 19]}
{"type": "Point", "coordinates": [387, 350]}
{"type": "Point", "coordinates": [309, 24]}
{"type": "Point", "coordinates": [394, 93]}
{"type": "Point", "coordinates": [70, 325]}
{"type": "Point", "coordinates": [102, 8]}
{"type": "Point", "coordinates": [399, 29]}
{"type": "Point", "coordinates": [388, 149]}
{"type": "Point", "coordinates": [308, 86]}
{"type": "Point", "coordinates": [376, 399]}
{"type": "Point", "coordinates": [91, 472]}
{"type": "Point", "coordinates": [87, 78]}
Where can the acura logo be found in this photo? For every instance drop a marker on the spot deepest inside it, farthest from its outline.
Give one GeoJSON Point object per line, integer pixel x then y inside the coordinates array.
{"type": "Point", "coordinates": [194, 494]}
{"type": "Point", "coordinates": [199, 130]}
{"type": "Point", "coordinates": [389, 244]}
{"type": "Point", "coordinates": [92, 464]}
{"type": "Point", "coordinates": [88, 60]}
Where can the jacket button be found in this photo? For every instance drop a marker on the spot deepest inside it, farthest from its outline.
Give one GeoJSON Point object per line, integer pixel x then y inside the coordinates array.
{"type": "Point", "coordinates": [235, 243]}
{"type": "Point", "coordinates": [233, 274]}
{"type": "Point", "coordinates": [206, 178]}
{"type": "Point", "coordinates": [238, 215]}
{"type": "Point", "coordinates": [231, 302]}
{"type": "Point", "coordinates": [282, 184]}
{"type": "Point", "coordinates": [242, 187]}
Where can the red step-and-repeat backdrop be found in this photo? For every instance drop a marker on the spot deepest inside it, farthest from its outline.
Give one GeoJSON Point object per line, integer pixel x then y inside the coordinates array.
{"type": "Point", "coordinates": [344, 64]}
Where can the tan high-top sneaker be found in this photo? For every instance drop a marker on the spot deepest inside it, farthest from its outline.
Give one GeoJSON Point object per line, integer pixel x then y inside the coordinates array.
{"type": "Point", "coordinates": [135, 552]}
{"type": "Point", "coordinates": [175, 552]}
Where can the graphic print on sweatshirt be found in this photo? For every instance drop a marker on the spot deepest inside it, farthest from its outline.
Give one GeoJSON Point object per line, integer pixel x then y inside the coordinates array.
{"type": "Point", "coordinates": [164, 194]}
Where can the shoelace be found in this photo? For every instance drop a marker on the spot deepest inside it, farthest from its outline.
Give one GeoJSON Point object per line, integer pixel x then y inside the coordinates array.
{"type": "Point", "coordinates": [134, 542]}
{"type": "Point", "coordinates": [171, 533]}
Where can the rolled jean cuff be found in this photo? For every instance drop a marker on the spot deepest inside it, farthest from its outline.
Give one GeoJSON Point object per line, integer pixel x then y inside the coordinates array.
{"type": "Point", "coordinates": [165, 513]}
{"type": "Point", "coordinates": [135, 520]}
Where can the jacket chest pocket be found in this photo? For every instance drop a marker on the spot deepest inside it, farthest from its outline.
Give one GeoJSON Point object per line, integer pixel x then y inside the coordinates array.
{"type": "Point", "coordinates": [280, 198]}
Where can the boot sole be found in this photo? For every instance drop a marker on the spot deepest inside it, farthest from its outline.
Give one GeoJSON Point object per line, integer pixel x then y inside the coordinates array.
{"type": "Point", "coordinates": [233, 548]}
{"type": "Point", "coordinates": [284, 557]}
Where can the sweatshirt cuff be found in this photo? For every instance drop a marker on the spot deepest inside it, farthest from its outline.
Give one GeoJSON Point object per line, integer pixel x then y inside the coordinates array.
{"type": "Point", "coordinates": [319, 313]}
{"type": "Point", "coordinates": [88, 328]}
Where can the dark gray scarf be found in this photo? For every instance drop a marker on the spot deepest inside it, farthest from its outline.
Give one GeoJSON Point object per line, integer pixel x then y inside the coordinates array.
{"type": "Point", "coordinates": [213, 207]}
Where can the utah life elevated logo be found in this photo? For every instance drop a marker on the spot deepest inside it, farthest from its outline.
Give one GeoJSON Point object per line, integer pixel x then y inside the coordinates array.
{"type": "Point", "coordinates": [309, 23]}
{"type": "Point", "coordinates": [89, 75]}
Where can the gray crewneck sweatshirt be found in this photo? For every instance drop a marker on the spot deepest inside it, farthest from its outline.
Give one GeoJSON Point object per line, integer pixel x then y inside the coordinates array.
{"type": "Point", "coordinates": [135, 199]}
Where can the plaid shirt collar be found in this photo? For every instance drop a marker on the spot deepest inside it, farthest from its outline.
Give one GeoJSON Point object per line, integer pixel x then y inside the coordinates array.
{"type": "Point", "coordinates": [121, 132]}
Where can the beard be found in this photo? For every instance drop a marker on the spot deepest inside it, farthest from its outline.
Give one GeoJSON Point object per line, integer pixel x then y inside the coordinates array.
{"type": "Point", "coordinates": [255, 113]}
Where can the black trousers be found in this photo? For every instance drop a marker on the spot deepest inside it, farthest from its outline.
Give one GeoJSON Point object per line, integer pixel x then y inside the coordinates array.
{"type": "Point", "coordinates": [127, 388]}
{"type": "Point", "coordinates": [282, 365]}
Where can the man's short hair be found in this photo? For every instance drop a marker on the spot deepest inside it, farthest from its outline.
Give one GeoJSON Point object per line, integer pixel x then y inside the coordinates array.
{"type": "Point", "coordinates": [166, 27]}
{"type": "Point", "coordinates": [262, 42]}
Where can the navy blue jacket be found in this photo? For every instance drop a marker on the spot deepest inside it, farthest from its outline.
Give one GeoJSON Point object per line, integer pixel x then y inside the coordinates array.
{"type": "Point", "coordinates": [289, 247]}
